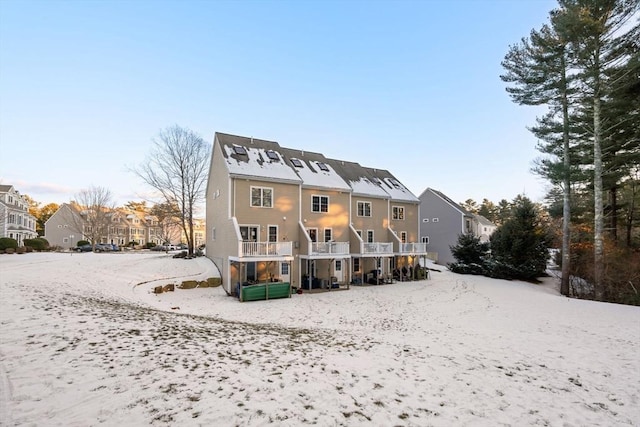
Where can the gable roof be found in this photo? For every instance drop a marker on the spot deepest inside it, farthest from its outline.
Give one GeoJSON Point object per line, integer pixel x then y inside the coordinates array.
{"type": "Point", "coordinates": [312, 173]}
{"type": "Point", "coordinates": [449, 201]}
{"type": "Point", "coordinates": [254, 159]}
{"type": "Point", "coordinates": [484, 221]}
{"type": "Point", "coordinates": [362, 183]}
{"type": "Point", "coordinates": [391, 185]}
{"type": "Point", "coordinates": [267, 160]}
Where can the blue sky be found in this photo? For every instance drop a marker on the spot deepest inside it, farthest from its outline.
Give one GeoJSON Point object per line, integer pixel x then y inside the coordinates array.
{"type": "Point", "coordinates": [408, 86]}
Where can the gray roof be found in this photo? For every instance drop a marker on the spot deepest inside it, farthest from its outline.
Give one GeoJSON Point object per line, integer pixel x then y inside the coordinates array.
{"type": "Point", "coordinates": [484, 221]}
{"type": "Point", "coordinates": [254, 161]}
{"type": "Point", "coordinates": [311, 173]}
{"type": "Point", "coordinates": [450, 201]}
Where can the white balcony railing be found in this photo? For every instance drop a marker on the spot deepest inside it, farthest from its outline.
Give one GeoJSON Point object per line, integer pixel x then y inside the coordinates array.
{"type": "Point", "coordinates": [377, 248]}
{"type": "Point", "coordinates": [413, 248]}
{"type": "Point", "coordinates": [331, 248]}
{"type": "Point", "coordinates": [256, 249]}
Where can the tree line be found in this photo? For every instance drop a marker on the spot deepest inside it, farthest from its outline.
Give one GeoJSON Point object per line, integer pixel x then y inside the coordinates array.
{"type": "Point", "coordinates": [583, 65]}
{"type": "Point", "coordinates": [176, 169]}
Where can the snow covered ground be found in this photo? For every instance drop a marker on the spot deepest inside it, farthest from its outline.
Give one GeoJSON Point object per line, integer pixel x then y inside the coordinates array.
{"type": "Point", "coordinates": [84, 342]}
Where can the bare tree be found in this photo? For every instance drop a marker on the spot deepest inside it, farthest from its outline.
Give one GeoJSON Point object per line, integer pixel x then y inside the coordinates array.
{"type": "Point", "coordinates": [91, 212]}
{"type": "Point", "coordinates": [177, 168]}
{"type": "Point", "coordinates": [169, 223]}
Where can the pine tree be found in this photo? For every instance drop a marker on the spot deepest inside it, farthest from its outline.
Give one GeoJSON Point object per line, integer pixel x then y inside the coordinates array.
{"type": "Point", "coordinates": [519, 247]}
{"type": "Point", "coordinates": [595, 30]}
{"type": "Point", "coordinates": [537, 70]}
{"type": "Point", "coordinates": [470, 254]}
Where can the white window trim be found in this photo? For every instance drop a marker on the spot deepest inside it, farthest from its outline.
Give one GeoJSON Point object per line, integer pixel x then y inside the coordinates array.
{"type": "Point", "coordinates": [261, 197]}
{"type": "Point", "coordinates": [320, 203]}
{"type": "Point", "coordinates": [364, 203]}
{"type": "Point", "coordinates": [395, 210]}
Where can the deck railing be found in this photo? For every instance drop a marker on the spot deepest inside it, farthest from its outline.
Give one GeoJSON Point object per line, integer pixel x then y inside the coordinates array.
{"type": "Point", "coordinates": [256, 249]}
{"type": "Point", "coordinates": [331, 248]}
{"type": "Point", "coordinates": [413, 248]}
{"type": "Point", "coordinates": [377, 248]}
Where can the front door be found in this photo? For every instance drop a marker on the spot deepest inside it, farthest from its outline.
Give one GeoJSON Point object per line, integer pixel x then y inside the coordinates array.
{"type": "Point", "coordinates": [337, 270]}
{"type": "Point", "coordinates": [285, 272]}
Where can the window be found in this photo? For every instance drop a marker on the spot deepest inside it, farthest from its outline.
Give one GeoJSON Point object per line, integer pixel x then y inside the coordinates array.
{"type": "Point", "coordinates": [261, 197]}
{"type": "Point", "coordinates": [356, 265]}
{"type": "Point", "coordinates": [398, 213]}
{"type": "Point", "coordinates": [370, 236]}
{"type": "Point", "coordinates": [323, 167]}
{"type": "Point", "coordinates": [297, 163]}
{"type": "Point", "coordinates": [403, 236]}
{"type": "Point", "coordinates": [425, 219]}
{"type": "Point", "coordinates": [338, 265]}
{"type": "Point", "coordinates": [273, 233]}
{"type": "Point", "coordinates": [435, 220]}
{"type": "Point", "coordinates": [425, 239]}
{"type": "Point", "coordinates": [364, 208]}
{"type": "Point", "coordinates": [239, 150]}
{"type": "Point", "coordinates": [359, 233]}
{"type": "Point", "coordinates": [273, 155]}
{"type": "Point", "coordinates": [284, 269]}
{"type": "Point", "coordinates": [328, 234]}
{"type": "Point", "coordinates": [319, 204]}
{"type": "Point", "coordinates": [313, 234]}
{"type": "Point", "coordinates": [213, 234]}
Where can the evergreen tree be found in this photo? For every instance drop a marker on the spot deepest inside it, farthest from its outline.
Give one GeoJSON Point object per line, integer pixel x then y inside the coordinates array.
{"type": "Point", "coordinates": [519, 247]}
{"type": "Point", "coordinates": [538, 71]}
{"type": "Point", "coordinates": [470, 254]}
{"type": "Point", "coordinates": [599, 44]}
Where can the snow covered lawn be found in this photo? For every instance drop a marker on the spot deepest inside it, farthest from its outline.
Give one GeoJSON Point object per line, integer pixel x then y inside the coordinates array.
{"type": "Point", "coordinates": [84, 342]}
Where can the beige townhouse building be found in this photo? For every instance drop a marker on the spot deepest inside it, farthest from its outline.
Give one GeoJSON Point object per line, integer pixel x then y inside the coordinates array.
{"type": "Point", "coordinates": [289, 215]}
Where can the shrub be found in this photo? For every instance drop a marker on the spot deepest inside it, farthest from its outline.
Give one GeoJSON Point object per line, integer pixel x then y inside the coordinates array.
{"type": "Point", "coordinates": [8, 243]}
{"type": "Point", "coordinates": [470, 254]}
{"type": "Point", "coordinates": [83, 243]}
{"type": "Point", "coordinates": [38, 244]}
{"type": "Point", "coordinates": [10, 250]}
{"type": "Point", "coordinates": [21, 250]}
{"type": "Point", "coordinates": [149, 245]}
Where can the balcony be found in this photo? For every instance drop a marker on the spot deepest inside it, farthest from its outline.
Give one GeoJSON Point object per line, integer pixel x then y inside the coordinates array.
{"type": "Point", "coordinates": [413, 248]}
{"type": "Point", "coordinates": [329, 248]}
{"type": "Point", "coordinates": [261, 249]}
{"type": "Point", "coordinates": [377, 248]}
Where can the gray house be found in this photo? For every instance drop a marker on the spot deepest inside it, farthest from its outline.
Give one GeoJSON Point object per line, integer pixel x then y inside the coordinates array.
{"type": "Point", "coordinates": [441, 222]}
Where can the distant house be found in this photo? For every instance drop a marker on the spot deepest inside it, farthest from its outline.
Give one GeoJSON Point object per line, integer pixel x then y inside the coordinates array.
{"type": "Point", "coordinates": [483, 228]}
{"type": "Point", "coordinates": [290, 215]}
{"type": "Point", "coordinates": [15, 220]}
{"type": "Point", "coordinates": [443, 220]}
{"type": "Point", "coordinates": [68, 225]}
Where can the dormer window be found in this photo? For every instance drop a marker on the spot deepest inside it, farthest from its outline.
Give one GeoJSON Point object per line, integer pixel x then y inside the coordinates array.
{"type": "Point", "coordinates": [273, 155]}
{"type": "Point", "coordinates": [297, 163]}
{"type": "Point", "coordinates": [239, 150]}
{"type": "Point", "coordinates": [323, 167]}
